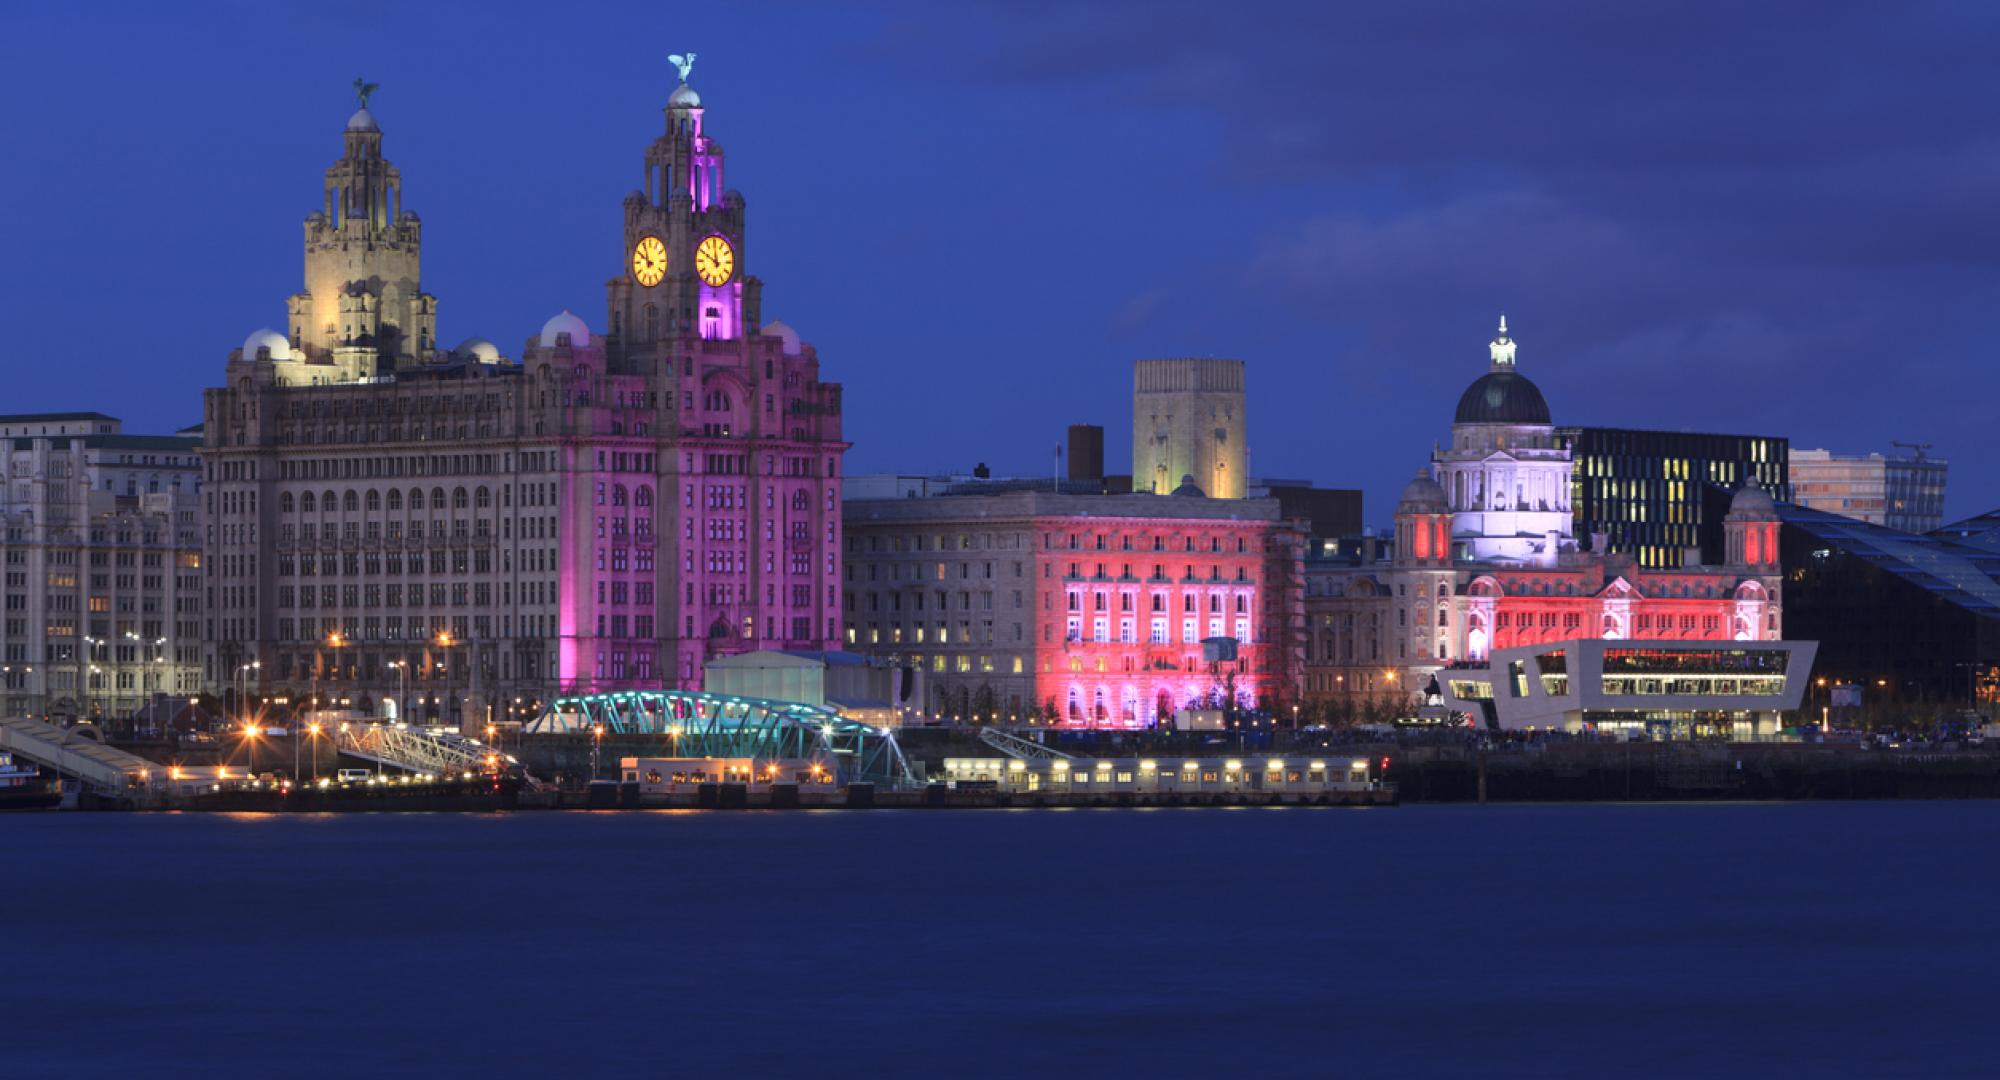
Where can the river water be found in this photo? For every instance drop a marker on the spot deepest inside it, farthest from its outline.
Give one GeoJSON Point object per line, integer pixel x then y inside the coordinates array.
{"type": "Point", "coordinates": [1826, 939]}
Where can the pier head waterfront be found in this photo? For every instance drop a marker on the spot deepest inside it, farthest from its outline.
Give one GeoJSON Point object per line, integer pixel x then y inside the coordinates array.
{"type": "Point", "coordinates": [1289, 540]}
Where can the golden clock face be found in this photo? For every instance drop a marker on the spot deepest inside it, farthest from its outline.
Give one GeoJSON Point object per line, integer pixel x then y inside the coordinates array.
{"type": "Point", "coordinates": [649, 261]}
{"type": "Point", "coordinates": [714, 261]}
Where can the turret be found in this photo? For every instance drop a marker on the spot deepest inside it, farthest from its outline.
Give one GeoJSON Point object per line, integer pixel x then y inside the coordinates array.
{"type": "Point", "coordinates": [1423, 523]}
{"type": "Point", "coordinates": [1751, 527]}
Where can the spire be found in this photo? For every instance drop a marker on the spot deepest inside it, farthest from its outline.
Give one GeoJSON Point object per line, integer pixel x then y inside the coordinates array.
{"type": "Point", "coordinates": [1502, 348]}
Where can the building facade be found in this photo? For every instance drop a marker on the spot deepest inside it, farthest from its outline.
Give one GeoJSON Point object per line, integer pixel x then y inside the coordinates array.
{"type": "Point", "coordinates": [1188, 427]}
{"type": "Point", "coordinates": [1660, 496]}
{"type": "Point", "coordinates": [1091, 609]}
{"type": "Point", "coordinates": [452, 534]}
{"type": "Point", "coordinates": [1485, 558]}
{"type": "Point", "coordinates": [1906, 618]}
{"type": "Point", "coordinates": [99, 536]}
{"type": "Point", "coordinates": [1901, 493]}
{"type": "Point", "coordinates": [1647, 690]}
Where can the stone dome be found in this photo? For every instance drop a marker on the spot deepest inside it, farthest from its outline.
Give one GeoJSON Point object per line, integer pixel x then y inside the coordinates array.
{"type": "Point", "coordinates": [279, 346]}
{"type": "Point", "coordinates": [362, 120]}
{"type": "Point", "coordinates": [1750, 502]}
{"type": "Point", "coordinates": [683, 97]}
{"type": "Point", "coordinates": [1189, 489]}
{"type": "Point", "coordinates": [781, 330]}
{"type": "Point", "coordinates": [1422, 495]}
{"type": "Point", "coordinates": [1502, 397]}
{"type": "Point", "coordinates": [565, 323]}
{"type": "Point", "coordinates": [478, 349]}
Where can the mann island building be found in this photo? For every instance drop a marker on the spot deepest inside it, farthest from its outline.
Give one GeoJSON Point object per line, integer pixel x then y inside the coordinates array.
{"type": "Point", "coordinates": [1488, 604]}
{"type": "Point", "coordinates": [451, 533]}
{"type": "Point", "coordinates": [1080, 604]}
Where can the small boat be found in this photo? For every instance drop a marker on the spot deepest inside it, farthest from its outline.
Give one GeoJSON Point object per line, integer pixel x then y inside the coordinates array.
{"type": "Point", "coordinates": [23, 788]}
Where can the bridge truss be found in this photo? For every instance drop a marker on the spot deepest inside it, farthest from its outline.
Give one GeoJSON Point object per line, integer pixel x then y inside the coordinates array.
{"type": "Point", "coordinates": [696, 723]}
{"type": "Point", "coordinates": [416, 750]}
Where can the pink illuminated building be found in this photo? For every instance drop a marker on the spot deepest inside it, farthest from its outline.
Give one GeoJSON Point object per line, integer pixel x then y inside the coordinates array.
{"type": "Point", "coordinates": [1090, 609]}
{"type": "Point", "coordinates": [446, 533]}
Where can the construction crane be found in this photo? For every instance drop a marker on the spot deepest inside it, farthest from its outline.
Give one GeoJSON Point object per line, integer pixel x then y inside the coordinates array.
{"type": "Point", "coordinates": [1919, 447]}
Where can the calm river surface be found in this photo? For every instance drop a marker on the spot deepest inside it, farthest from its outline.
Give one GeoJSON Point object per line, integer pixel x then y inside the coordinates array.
{"type": "Point", "coordinates": [1827, 939]}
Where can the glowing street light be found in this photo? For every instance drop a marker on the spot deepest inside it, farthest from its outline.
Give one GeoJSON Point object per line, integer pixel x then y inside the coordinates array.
{"type": "Point", "coordinates": [313, 730]}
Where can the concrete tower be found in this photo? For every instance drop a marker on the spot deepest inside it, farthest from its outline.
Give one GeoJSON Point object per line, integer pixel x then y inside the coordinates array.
{"type": "Point", "coordinates": [363, 311]}
{"type": "Point", "coordinates": [1187, 426]}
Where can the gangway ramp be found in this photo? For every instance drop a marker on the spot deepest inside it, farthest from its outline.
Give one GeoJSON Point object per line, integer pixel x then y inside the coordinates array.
{"type": "Point", "coordinates": [415, 750]}
{"type": "Point", "coordinates": [1015, 746]}
{"type": "Point", "coordinates": [105, 769]}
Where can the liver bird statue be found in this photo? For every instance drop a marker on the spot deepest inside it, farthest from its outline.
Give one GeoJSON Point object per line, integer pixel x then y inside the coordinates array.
{"type": "Point", "coordinates": [685, 63]}
{"type": "Point", "coordinates": [363, 89]}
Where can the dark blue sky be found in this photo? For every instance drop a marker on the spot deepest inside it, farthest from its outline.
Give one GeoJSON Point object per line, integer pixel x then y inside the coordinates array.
{"type": "Point", "coordinates": [1776, 218]}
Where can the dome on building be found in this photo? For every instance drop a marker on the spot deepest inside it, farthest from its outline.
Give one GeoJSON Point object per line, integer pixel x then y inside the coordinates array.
{"type": "Point", "coordinates": [478, 349]}
{"type": "Point", "coordinates": [1188, 488]}
{"type": "Point", "coordinates": [565, 323]}
{"type": "Point", "coordinates": [280, 347]}
{"type": "Point", "coordinates": [362, 120]}
{"type": "Point", "coordinates": [780, 330]}
{"type": "Point", "coordinates": [1422, 495]}
{"type": "Point", "coordinates": [683, 97]}
{"type": "Point", "coordinates": [1502, 397]}
{"type": "Point", "coordinates": [1750, 502]}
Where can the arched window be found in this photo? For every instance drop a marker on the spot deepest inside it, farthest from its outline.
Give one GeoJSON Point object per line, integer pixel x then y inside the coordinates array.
{"type": "Point", "coordinates": [416, 498]}
{"type": "Point", "coordinates": [799, 500]}
{"type": "Point", "coordinates": [481, 498]}
{"type": "Point", "coordinates": [374, 500]}
{"type": "Point", "coordinates": [328, 503]}
{"type": "Point", "coordinates": [285, 503]}
{"type": "Point", "coordinates": [437, 498]}
{"type": "Point", "coordinates": [395, 499]}
{"type": "Point", "coordinates": [459, 499]}
{"type": "Point", "coordinates": [351, 503]}
{"type": "Point", "coordinates": [618, 494]}
{"type": "Point", "coordinates": [306, 503]}
{"type": "Point", "coordinates": [643, 497]}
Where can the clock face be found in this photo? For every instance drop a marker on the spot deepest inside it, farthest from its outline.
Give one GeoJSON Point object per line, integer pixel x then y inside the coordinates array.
{"type": "Point", "coordinates": [649, 261]}
{"type": "Point", "coordinates": [714, 261]}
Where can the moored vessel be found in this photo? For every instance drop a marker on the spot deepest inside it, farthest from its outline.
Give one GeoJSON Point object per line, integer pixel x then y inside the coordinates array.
{"type": "Point", "coordinates": [23, 788]}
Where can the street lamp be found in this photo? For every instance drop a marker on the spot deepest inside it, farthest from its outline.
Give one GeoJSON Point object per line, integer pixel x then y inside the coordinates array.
{"type": "Point", "coordinates": [250, 746]}
{"type": "Point", "coordinates": [243, 688]}
{"type": "Point", "coordinates": [596, 747]}
{"type": "Point", "coordinates": [313, 730]}
{"type": "Point", "coordinates": [26, 669]}
{"type": "Point", "coordinates": [91, 645]}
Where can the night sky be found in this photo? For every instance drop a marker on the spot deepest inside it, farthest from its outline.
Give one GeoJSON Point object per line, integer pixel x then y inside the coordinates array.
{"type": "Point", "coordinates": [1776, 218]}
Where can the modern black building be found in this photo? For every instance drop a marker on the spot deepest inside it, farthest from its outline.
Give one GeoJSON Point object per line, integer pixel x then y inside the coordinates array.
{"type": "Point", "coordinates": [1907, 617]}
{"type": "Point", "coordinates": [1329, 513]}
{"type": "Point", "coordinates": [1655, 494]}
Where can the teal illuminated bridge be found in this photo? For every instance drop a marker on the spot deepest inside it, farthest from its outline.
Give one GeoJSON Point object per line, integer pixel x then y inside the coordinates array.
{"type": "Point", "coordinates": [695, 723]}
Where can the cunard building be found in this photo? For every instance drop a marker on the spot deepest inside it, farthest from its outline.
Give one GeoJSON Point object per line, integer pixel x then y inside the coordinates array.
{"type": "Point", "coordinates": [391, 520]}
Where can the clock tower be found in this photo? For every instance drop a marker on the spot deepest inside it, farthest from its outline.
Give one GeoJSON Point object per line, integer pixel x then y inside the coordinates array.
{"type": "Point", "coordinates": [684, 250]}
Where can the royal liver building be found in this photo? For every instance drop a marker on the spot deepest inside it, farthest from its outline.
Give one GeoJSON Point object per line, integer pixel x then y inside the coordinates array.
{"type": "Point", "coordinates": [412, 530]}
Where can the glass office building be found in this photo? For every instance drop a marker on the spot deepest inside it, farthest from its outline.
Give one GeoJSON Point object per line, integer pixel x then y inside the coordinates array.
{"type": "Point", "coordinates": [1902, 493]}
{"type": "Point", "coordinates": [1657, 494]}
